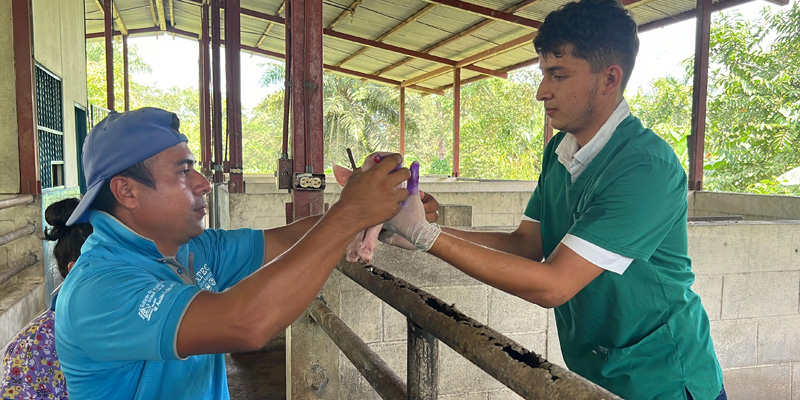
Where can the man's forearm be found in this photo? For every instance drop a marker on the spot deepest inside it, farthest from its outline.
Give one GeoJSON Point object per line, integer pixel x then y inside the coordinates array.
{"type": "Point", "coordinates": [278, 240]}
{"type": "Point", "coordinates": [245, 316]}
{"type": "Point", "coordinates": [507, 242]}
{"type": "Point", "coordinates": [527, 279]}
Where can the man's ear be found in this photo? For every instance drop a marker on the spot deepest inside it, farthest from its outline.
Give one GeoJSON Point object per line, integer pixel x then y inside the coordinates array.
{"type": "Point", "coordinates": [124, 191]}
{"type": "Point", "coordinates": [612, 79]}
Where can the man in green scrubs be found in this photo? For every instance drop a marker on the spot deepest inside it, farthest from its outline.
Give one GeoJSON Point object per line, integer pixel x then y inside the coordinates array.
{"type": "Point", "coordinates": [608, 217]}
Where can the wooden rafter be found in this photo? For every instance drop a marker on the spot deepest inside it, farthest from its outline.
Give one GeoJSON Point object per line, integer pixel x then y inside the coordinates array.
{"type": "Point", "coordinates": [153, 12]}
{"type": "Point", "coordinates": [507, 46]}
{"type": "Point", "coordinates": [162, 20]}
{"type": "Point", "coordinates": [171, 13]}
{"type": "Point", "coordinates": [408, 52]}
{"type": "Point", "coordinates": [458, 35]}
{"type": "Point", "coordinates": [117, 16]}
{"type": "Point", "coordinates": [271, 24]}
{"type": "Point", "coordinates": [489, 13]}
{"type": "Point", "coordinates": [510, 68]}
{"type": "Point", "coordinates": [344, 14]}
{"type": "Point", "coordinates": [391, 32]}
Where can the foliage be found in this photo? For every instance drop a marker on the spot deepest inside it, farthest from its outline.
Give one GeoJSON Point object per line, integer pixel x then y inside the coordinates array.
{"type": "Point", "coordinates": [752, 130]}
{"type": "Point", "coordinates": [182, 101]}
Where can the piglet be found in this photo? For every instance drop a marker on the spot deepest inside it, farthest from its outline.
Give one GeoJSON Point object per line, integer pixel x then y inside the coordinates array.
{"type": "Point", "coordinates": [363, 245]}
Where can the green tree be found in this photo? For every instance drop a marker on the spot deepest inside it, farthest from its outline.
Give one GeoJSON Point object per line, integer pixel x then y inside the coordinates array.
{"type": "Point", "coordinates": [752, 130]}
{"type": "Point", "coordinates": [96, 74]}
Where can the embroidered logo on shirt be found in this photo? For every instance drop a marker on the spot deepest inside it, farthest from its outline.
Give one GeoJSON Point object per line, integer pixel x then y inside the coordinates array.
{"type": "Point", "coordinates": [204, 278]}
{"type": "Point", "coordinates": [153, 298]}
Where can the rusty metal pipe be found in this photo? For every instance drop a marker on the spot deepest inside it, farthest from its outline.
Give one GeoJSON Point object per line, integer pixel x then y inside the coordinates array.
{"type": "Point", "coordinates": [423, 364]}
{"type": "Point", "coordinates": [521, 370]}
{"type": "Point", "coordinates": [18, 267]}
{"type": "Point", "coordinates": [16, 201]}
{"type": "Point", "coordinates": [385, 382]}
{"type": "Point", "coordinates": [17, 233]}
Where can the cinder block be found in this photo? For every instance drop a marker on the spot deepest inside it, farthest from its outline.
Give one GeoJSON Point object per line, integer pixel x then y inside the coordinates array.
{"type": "Point", "coordinates": [395, 326]}
{"type": "Point", "coordinates": [361, 311]}
{"type": "Point", "coordinates": [796, 381]}
{"type": "Point", "coordinates": [418, 268]}
{"type": "Point", "coordinates": [778, 340]}
{"type": "Point", "coordinates": [395, 355]}
{"type": "Point", "coordinates": [554, 354]}
{"type": "Point", "coordinates": [353, 385]}
{"type": "Point", "coordinates": [457, 375]}
{"type": "Point", "coordinates": [483, 219]}
{"type": "Point", "coordinates": [768, 382]}
{"type": "Point", "coordinates": [725, 248]}
{"type": "Point", "coordinates": [455, 215]}
{"type": "Point", "coordinates": [709, 287]}
{"type": "Point", "coordinates": [763, 294]}
{"type": "Point", "coordinates": [504, 394]}
{"type": "Point", "coordinates": [735, 342]}
{"type": "Point", "coordinates": [509, 313]}
{"type": "Point", "coordinates": [468, 396]}
{"type": "Point", "coordinates": [470, 300]}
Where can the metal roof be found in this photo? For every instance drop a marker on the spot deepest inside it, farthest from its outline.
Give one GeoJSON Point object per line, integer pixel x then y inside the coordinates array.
{"type": "Point", "coordinates": [412, 43]}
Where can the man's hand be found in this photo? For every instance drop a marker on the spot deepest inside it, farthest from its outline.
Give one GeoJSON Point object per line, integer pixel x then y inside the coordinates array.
{"type": "Point", "coordinates": [411, 223]}
{"type": "Point", "coordinates": [430, 205]}
{"type": "Point", "coordinates": [374, 196]}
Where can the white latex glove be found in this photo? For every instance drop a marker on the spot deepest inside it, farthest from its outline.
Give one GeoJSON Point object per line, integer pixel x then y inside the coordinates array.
{"type": "Point", "coordinates": [410, 223]}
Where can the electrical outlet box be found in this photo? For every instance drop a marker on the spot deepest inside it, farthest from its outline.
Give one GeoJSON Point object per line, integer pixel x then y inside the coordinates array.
{"type": "Point", "coordinates": [309, 181]}
{"type": "Point", "coordinates": [284, 173]}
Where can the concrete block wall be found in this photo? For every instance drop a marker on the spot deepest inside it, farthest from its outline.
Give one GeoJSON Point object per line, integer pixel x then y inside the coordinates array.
{"type": "Point", "coordinates": [749, 206]}
{"type": "Point", "coordinates": [23, 297]}
{"type": "Point", "coordinates": [747, 274]}
{"type": "Point", "coordinates": [494, 203]}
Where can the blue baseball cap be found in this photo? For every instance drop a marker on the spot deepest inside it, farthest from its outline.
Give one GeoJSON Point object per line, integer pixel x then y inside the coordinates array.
{"type": "Point", "coordinates": [120, 141]}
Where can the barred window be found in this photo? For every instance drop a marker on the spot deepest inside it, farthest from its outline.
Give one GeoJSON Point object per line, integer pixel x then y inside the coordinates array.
{"type": "Point", "coordinates": [50, 127]}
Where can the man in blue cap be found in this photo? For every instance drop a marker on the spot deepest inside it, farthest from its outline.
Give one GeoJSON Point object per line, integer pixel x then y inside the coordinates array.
{"type": "Point", "coordinates": [155, 300]}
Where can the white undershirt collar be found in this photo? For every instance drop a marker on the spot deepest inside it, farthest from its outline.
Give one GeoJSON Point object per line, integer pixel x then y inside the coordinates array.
{"type": "Point", "coordinates": [575, 158]}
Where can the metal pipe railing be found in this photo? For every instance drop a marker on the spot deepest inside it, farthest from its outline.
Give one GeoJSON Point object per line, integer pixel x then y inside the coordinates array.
{"type": "Point", "coordinates": [522, 371]}
{"type": "Point", "coordinates": [388, 385]}
{"type": "Point", "coordinates": [19, 266]}
{"type": "Point", "coordinates": [17, 233]}
{"type": "Point", "coordinates": [16, 201]}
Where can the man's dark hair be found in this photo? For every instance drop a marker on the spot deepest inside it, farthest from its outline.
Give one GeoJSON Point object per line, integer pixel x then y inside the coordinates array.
{"type": "Point", "coordinates": [141, 172]}
{"type": "Point", "coordinates": [601, 32]}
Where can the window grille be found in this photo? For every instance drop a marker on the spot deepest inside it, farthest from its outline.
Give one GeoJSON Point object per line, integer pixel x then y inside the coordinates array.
{"type": "Point", "coordinates": [50, 127]}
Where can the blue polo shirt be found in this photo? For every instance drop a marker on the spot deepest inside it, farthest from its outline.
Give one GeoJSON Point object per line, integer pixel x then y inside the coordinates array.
{"type": "Point", "coordinates": [120, 307]}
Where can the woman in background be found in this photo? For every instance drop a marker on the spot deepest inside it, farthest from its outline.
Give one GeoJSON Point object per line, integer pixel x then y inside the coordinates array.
{"type": "Point", "coordinates": [31, 368]}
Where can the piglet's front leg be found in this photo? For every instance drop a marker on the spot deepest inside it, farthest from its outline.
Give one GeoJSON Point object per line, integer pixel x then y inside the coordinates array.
{"type": "Point", "coordinates": [354, 248]}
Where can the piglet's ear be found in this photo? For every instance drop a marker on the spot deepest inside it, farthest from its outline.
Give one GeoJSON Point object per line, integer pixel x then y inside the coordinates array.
{"type": "Point", "coordinates": [342, 174]}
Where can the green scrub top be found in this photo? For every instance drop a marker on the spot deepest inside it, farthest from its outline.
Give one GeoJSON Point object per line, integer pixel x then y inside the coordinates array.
{"type": "Point", "coordinates": [643, 334]}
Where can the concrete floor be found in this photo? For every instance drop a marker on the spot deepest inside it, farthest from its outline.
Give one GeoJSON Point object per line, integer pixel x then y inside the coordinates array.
{"type": "Point", "coordinates": [259, 375]}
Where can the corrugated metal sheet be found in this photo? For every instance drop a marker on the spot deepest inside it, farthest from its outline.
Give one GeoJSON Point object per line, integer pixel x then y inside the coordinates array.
{"type": "Point", "coordinates": [371, 20]}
